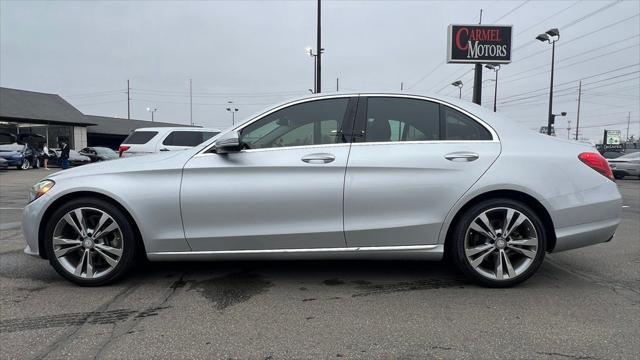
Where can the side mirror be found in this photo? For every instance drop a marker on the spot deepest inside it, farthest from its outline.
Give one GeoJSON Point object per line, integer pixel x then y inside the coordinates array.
{"type": "Point", "coordinates": [228, 143]}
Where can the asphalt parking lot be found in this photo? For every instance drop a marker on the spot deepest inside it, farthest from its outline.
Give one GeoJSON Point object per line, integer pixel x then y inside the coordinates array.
{"type": "Point", "coordinates": [582, 304]}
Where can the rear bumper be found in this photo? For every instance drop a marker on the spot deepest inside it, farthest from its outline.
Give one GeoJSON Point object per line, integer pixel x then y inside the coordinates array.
{"type": "Point", "coordinates": [572, 237]}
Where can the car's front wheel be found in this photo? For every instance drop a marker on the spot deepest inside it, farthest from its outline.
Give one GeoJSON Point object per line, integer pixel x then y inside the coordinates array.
{"type": "Point", "coordinates": [25, 165]}
{"type": "Point", "coordinates": [90, 242]}
{"type": "Point", "coordinates": [499, 242]}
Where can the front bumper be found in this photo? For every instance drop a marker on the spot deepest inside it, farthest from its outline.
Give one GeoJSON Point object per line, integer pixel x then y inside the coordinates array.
{"type": "Point", "coordinates": [31, 218]}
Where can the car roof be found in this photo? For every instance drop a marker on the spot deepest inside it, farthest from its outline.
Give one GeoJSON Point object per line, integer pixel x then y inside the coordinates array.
{"type": "Point", "coordinates": [185, 128]}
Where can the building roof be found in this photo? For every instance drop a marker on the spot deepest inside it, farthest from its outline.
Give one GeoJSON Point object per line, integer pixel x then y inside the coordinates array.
{"type": "Point", "coordinates": [118, 126]}
{"type": "Point", "coordinates": [37, 107]}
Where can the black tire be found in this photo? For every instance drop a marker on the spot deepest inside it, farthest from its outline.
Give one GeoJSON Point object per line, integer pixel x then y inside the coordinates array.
{"type": "Point", "coordinates": [129, 241]}
{"type": "Point", "coordinates": [25, 165]}
{"type": "Point", "coordinates": [459, 237]}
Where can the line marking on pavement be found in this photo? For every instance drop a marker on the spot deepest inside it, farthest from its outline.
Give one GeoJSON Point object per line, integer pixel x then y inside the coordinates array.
{"type": "Point", "coordinates": [17, 208]}
{"type": "Point", "coordinates": [625, 206]}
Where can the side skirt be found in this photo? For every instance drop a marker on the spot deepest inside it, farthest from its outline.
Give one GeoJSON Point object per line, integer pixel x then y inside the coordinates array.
{"type": "Point", "coordinates": [418, 252]}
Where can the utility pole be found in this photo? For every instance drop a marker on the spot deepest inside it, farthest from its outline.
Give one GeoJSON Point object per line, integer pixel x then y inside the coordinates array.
{"type": "Point", "coordinates": [319, 56]}
{"type": "Point", "coordinates": [337, 84]}
{"type": "Point", "coordinates": [191, 102]}
{"type": "Point", "coordinates": [477, 78]}
{"type": "Point", "coordinates": [128, 101]}
{"type": "Point", "coordinates": [568, 129]}
{"type": "Point", "coordinates": [578, 113]}
{"type": "Point", "coordinates": [628, 123]}
{"type": "Point", "coordinates": [401, 86]}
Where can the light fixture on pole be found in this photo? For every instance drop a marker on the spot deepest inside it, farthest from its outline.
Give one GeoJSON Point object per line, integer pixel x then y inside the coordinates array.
{"type": "Point", "coordinates": [459, 85]}
{"type": "Point", "coordinates": [309, 50]}
{"type": "Point", "coordinates": [495, 68]}
{"type": "Point", "coordinates": [152, 111]}
{"type": "Point", "coordinates": [551, 36]}
{"type": "Point", "coordinates": [233, 112]}
{"type": "Point", "coordinates": [553, 121]}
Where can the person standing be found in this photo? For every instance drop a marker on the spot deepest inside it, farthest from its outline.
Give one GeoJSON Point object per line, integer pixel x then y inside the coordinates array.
{"type": "Point", "coordinates": [64, 155]}
{"type": "Point", "coordinates": [45, 156]}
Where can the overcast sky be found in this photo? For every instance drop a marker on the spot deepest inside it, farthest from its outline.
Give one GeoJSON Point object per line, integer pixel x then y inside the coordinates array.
{"type": "Point", "coordinates": [253, 53]}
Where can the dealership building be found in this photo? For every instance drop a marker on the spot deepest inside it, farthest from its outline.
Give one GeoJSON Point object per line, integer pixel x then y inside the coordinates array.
{"type": "Point", "coordinates": [52, 117]}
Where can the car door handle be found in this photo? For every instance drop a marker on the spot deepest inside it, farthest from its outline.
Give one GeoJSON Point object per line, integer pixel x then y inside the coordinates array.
{"type": "Point", "coordinates": [322, 158]}
{"type": "Point", "coordinates": [164, 149]}
{"type": "Point", "coordinates": [462, 156]}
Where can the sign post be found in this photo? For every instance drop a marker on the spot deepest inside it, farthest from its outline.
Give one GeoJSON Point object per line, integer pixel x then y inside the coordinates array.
{"type": "Point", "coordinates": [479, 44]}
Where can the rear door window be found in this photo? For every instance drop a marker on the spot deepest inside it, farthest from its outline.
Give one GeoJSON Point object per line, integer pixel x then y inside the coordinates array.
{"type": "Point", "coordinates": [187, 138]}
{"type": "Point", "coordinates": [401, 119]}
{"type": "Point", "coordinates": [140, 137]}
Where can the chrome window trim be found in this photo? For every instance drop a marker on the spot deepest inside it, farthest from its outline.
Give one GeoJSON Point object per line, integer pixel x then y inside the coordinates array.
{"type": "Point", "coordinates": [494, 134]}
{"type": "Point", "coordinates": [282, 106]}
{"type": "Point", "coordinates": [281, 148]}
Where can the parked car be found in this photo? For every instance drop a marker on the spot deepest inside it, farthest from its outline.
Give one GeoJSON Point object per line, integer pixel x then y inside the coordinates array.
{"type": "Point", "coordinates": [18, 155]}
{"type": "Point", "coordinates": [146, 141]}
{"type": "Point", "coordinates": [612, 154]}
{"type": "Point", "coordinates": [335, 176]}
{"type": "Point", "coordinates": [75, 158]}
{"type": "Point", "coordinates": [4, 164]}
{"type": "Point", "coordinates": [626, 165]}
{"type": "Point", "coordinates": [97, 153]}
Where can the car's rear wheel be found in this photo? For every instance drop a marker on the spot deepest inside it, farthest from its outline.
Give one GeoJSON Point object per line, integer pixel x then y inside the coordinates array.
{"type": "Point", "coordinates": [90, 242]}
{"type": "Point", "coordinates": [499, 242]}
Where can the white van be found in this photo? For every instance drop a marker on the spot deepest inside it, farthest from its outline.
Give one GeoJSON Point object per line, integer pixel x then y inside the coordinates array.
{"type": "Point", "coordinates": [145, 141]}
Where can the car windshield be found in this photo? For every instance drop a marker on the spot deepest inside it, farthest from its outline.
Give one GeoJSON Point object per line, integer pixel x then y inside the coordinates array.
{"type": "Point", "coordinates": [105, 151]}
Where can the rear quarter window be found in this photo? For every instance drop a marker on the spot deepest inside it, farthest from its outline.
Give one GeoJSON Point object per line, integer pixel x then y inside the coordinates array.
{"type": "Point", "coordinates": [140, 137]}
{"type": "Point", "coordinates": [458, 126]}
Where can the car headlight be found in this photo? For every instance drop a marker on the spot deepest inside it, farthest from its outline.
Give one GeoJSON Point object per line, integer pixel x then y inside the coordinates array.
{"type": "Point", "coordinates": [40, 189]}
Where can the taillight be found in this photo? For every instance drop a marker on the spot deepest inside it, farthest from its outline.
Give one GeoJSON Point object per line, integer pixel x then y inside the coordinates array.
{"type": "Point", "coordinates": [122, 149]}
{"type": "Point", "coordinates": [597, 163]}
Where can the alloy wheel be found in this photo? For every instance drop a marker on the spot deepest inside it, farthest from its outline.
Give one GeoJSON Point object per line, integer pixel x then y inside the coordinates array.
{"type": "Point", "coordinates": [25, 164]}
{"type": "Point", "coordinates": [501, 243]}
{"type": "Point", "coordinates": [88, 242]}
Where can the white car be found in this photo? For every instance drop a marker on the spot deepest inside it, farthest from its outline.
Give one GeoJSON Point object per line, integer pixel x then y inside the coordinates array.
{"type": "Point", "coordinates": [146, 141]}
{"type": "Point", "coordinates": [626, 165]}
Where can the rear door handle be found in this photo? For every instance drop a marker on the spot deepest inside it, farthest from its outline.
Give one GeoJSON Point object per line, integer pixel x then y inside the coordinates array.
{"type": "Point", "coordinates": [462, 156]}
{"type": "Point", "coordinates": [164, 149]}
{"type": "Point", "coordinates": [320, 158]}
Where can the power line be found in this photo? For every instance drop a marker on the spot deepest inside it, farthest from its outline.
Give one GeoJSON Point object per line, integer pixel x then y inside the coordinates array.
{"type": "Point", "coordinates": [576, 21]}
{"type": "Point", "coordinates": [569, 65]}
{"type": "Point", "coordinates": [573, 81]}
{"type": "Point", "coordinates": [576, 55]}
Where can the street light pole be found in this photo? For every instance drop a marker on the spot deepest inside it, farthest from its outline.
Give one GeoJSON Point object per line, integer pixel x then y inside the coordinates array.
{"type": "Point", "coordinates": [152, 111]}
{"type": "Point", "coordinates": [459, 85]}
{"type": "Point", "coordinates": [495, 68]}
{"type": "Point", "coordinates": [233, 111]}
{"type": "Point", "coordinates": [551, 36]}
{"type": "Point", "coordinates": [319, 57]}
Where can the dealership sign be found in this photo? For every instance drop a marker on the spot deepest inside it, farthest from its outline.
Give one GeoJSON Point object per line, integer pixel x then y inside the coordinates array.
{"type": "Point", "coordinates": [486, 44]}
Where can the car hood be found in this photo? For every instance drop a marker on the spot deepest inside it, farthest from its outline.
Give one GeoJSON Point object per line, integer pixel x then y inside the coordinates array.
{"type": "Point", "coordinates": [167, 160]}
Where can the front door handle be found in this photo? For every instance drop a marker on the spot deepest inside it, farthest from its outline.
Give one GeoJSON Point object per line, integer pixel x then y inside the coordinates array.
{"type": "Point", "coordinates": [321, 158]}
{"type": "Point", "coordinates": [164, 149]}
{"type": "Point", "coordinates": [462, 156]}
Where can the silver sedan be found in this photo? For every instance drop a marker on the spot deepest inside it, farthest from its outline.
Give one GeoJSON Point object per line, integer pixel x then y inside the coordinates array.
{"type": "Point", "coordinates": [338, 176]}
